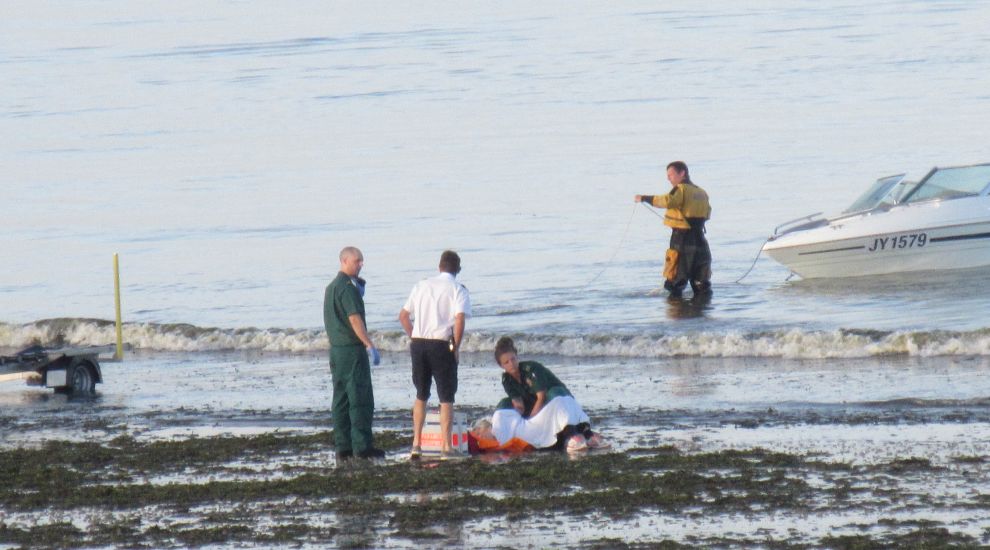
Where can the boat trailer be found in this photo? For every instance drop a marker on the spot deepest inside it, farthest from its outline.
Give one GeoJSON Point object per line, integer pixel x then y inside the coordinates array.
{"type": "Point", "coordinates": [72, 371]}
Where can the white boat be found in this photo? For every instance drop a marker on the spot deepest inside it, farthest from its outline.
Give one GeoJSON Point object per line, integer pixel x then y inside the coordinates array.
{"type": "Point", "coordinates": [940, 222]}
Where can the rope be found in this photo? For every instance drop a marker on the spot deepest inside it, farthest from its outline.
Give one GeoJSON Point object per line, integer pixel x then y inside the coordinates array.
{"type": "Point", "coordinates": [615, 252]}
{"type": "Point", "coordinates": [652, 211]}
{"type": "Point", "coordinates": [625, 233]}
{"type": "Point", "coordinates": [748, 271]}
{"type": "Point", "coordinates": [754, 262]}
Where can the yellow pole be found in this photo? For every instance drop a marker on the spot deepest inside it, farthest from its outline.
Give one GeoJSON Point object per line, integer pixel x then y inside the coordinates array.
{"type": "Point", "coordinates": [119, 356]}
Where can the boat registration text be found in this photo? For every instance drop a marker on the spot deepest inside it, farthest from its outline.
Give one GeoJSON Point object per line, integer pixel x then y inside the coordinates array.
{"type": "Point", "coordinates": [913, 240]}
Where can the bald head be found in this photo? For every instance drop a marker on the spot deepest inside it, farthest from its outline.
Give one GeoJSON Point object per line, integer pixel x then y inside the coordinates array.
{"type": "Point", "coordinates": [351, 260]}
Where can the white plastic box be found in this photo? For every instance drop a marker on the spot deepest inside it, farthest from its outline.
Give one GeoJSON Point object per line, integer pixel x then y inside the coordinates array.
{"type": "Point", "coordinates": [431, 439]}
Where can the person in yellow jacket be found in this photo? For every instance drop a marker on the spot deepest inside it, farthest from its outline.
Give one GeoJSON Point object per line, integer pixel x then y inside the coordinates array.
{"type": "Point", "coordinates": [689, 259]}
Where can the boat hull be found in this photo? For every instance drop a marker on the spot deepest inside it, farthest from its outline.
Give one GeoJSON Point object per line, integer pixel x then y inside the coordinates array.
{"type": "Point", "coordinates": [916, 237]}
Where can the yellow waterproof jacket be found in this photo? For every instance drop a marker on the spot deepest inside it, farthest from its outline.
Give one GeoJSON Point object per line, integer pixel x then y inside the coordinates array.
{"type": "Point", "coordinates": [686, 201]}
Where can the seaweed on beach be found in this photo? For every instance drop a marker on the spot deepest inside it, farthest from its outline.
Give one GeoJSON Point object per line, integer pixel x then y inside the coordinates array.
{"type": "Point", "coordinates": [276, 488]}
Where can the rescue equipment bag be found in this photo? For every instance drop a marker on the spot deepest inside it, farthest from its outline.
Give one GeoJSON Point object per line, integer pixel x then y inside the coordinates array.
{"type": "Point", "coordinates": [670, 265]}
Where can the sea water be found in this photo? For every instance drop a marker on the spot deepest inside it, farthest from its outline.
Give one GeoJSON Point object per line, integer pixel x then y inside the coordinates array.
{"type": "Point", "coordinates": [228, 150]}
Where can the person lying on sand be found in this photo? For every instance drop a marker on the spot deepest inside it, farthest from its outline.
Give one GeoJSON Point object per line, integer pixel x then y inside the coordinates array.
{"type": "Point", "coordinates": [561, 424]}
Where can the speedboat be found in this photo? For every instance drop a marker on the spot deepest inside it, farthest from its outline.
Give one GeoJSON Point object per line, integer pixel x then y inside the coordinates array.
{"type": "Point", "coordinates": [897, 225]}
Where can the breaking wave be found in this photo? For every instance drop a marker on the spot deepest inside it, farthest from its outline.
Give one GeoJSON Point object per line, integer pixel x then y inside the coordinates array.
{"type": "Point", "coordinates": [785, 343]}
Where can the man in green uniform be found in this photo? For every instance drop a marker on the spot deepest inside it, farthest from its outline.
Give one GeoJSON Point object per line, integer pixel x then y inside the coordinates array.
{"type": "Point", "coordinates": [353, 400]}
{"type": "Point", "coordinates": [689, 259]}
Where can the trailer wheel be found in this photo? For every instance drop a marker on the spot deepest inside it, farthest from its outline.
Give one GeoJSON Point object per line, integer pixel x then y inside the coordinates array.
{"type": "Point", "coordinates": [82, 379]}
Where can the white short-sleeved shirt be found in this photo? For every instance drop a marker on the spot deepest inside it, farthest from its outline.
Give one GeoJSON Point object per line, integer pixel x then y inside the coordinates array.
{"type": "Point", "coordinates": [433, 305]}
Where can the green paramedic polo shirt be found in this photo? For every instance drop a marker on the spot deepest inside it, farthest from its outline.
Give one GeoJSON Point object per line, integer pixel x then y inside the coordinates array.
{"type": "Point", "coordinates": [535, 378]}
{"type": "Point", "coordinates": [340, 301]}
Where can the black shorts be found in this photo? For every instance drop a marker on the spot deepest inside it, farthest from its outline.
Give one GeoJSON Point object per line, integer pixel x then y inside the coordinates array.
{"type": "Point", "coordinates": [433, 360]}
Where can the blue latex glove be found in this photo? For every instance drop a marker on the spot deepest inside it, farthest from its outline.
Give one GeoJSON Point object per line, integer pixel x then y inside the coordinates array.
{"type": "Point", "coordinates": [376, 358]}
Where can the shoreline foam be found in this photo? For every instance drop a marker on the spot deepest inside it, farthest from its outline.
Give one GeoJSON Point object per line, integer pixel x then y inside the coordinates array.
{"type": "Point", "coordinates": [791, 343]}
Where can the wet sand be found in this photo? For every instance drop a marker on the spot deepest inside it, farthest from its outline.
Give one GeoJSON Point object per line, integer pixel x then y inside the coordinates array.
{"type": "Point", "coordinates": [235, 449]}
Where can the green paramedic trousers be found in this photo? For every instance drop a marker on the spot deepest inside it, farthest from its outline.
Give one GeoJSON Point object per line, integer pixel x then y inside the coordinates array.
{"type": "Point", "coordinates": [353, 399]}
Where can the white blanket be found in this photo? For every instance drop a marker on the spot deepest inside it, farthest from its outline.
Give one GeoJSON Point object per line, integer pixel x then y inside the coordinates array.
{"type": "Point", "coordinates": [541, 430]}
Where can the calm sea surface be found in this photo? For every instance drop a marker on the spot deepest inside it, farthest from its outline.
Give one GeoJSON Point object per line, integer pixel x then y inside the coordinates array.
{"type": "Point", "coordinates": [228, 150]}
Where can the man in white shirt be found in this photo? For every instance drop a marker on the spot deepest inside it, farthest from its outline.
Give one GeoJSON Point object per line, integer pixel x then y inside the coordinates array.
{"type": "Point", "coordinates": [434, 317]}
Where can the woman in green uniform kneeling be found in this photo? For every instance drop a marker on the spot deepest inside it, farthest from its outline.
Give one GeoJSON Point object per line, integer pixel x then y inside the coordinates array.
{"type": "Point", "coordinates": [529, 386]}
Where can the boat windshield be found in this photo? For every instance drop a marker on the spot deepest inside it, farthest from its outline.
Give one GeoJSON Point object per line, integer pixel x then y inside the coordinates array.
{"type": "Point", "coordinates": [886, 191]}
{"type": "Point", "coordinates": [951, 183]}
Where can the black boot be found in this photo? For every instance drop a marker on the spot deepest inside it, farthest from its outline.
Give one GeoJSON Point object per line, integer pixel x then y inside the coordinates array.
{"type": "Point", "coordinates": [676, 288]}
{"type": "Point", "coordinates": [371, 452]}
{"type": "Point", "coordinates": [701, 288]}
